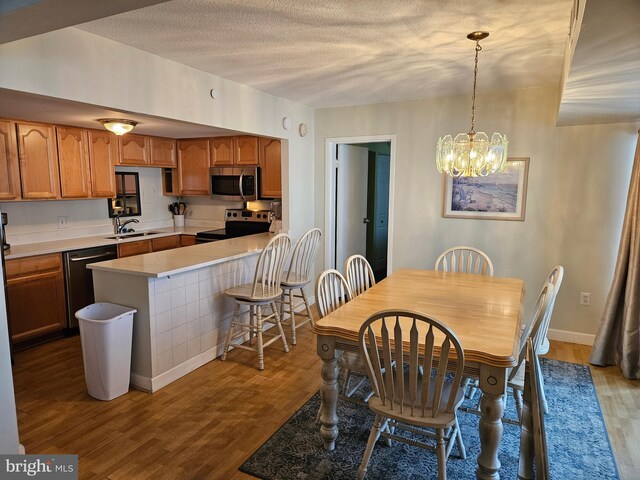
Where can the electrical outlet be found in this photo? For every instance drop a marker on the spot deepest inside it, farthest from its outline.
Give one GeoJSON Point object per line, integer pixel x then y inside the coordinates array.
{"type": "Point", "coordinates": [63, 222]}
{"type": "Point", "coordinates": [585, 299]}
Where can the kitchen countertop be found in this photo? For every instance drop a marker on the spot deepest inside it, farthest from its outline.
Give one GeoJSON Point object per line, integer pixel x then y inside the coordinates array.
{"type": "Point", "coordinates": [56, 246]}
{"type": "Point", "coordinates": [171, 262]}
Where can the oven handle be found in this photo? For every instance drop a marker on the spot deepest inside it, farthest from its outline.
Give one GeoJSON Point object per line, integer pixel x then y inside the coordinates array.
{"type": "Point", "coordinates": [241, 190]}
{"type": "Point", "coordinates": [90, 257]}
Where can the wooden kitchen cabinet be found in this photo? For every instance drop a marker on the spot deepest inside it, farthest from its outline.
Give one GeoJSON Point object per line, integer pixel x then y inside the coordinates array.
{"type": "Point", "coordinates": [134, 150]}
{"type": "Point", "coordinates": [187, 240]}
{"type": "Point", "coordinates": [130, 249]}
{"type": "Point", "coordinates": [165, 243]}
{"type": "Point", "coordinates": [270, 168]}
{"type": "Point", "coordinates": [35, 297]}
{"type": "Point", "coordinates": [193, 167]}
{"type": "Point", "coordinates": [103, 156]}
{"type": "Point", "coordinates": [39, 174]}
{"type": "Point", "coordinates": [163, 152]}
{"type": "Point", "coordinates": [9, 169]}
{"type": "Point", "coordinates": [222, 151]}
{"type": "Point", "coordinates": [73, 161]}
{"type": "Point", "coordinates": [246, 150]}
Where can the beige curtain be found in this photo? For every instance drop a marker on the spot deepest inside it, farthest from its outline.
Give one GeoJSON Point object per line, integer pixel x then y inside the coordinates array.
{"type": "Point", "coordinates": [618, 338]}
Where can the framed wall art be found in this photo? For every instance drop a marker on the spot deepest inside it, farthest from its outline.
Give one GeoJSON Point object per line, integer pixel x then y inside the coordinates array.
{"type": "Point", "coordinates": [498, 196]}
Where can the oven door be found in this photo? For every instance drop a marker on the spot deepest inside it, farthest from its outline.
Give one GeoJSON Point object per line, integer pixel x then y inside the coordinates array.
{"type": "Point", "coordinates": [234, 183]}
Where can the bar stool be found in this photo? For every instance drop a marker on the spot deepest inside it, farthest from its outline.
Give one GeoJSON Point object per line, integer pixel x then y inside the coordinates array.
{"type": "Point", "coordinates": [296, 278]}
{"type": "Point", "coordinates": [264, 290]}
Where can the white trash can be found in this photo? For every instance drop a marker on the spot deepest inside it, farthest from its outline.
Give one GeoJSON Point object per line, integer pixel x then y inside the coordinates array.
{"type": "Point", "coordinates": [106, 332]}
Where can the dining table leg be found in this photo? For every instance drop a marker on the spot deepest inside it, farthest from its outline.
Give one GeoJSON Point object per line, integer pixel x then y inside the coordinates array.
{"type": "Point", "coordinates": [493, 384]}
{"type": "Point", "coordinates": [328, 391]}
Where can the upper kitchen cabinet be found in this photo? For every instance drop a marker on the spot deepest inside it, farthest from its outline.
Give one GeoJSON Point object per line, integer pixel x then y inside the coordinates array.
{"type": "Point", "coordinates": [134, 150]}
{"type": "Point", "coordinates": [271, 168]}
{"type": "Point", "coordinates": [39, 174]}
{"type": "Point", "coordinates": [9, 170]}
{"type": "Point", "coordinates": [73, 160]}
{"type": "Point", "coordinates": [193, 167]}
{"type": "Point", "coordinates": [222, 151]}
{"type": "Point", "coordinates": [245, 150]}
{"type": "Point", "coordinates": [163, 152]}
{"type": "Point", "coordinates": [103, 156]}
{"type": "Point", "coordinates": [241, 150]}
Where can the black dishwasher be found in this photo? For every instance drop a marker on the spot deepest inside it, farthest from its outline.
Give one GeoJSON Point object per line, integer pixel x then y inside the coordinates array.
{"type": "Point", "coordinates": [78, 280]}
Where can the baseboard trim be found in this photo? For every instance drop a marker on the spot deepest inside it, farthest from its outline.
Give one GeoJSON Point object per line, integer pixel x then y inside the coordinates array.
{"type": "Point", "coordinates": [571, 337]}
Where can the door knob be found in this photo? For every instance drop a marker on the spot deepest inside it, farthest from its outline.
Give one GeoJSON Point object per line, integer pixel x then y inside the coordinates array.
{"type": "Point", "coordinates": [366, 220]}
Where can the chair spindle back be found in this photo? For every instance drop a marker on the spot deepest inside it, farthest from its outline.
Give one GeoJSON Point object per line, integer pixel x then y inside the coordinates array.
{"type": "Point", "coordinates": [303, 255]}
{"type": "Point", "coordinates": [266, 281]}
{"type": "Point", "coordinates": [390, 382]}
{"type": "Point", "coordinates": [465, 260]}
{"type": "Point", "coordinates": [359, 274]}
{"type": "Point", "coordinates": [332, 291]}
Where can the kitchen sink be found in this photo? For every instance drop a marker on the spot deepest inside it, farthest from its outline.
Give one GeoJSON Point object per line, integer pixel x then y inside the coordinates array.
{"type": "Point", "coordinates": [124, 236]}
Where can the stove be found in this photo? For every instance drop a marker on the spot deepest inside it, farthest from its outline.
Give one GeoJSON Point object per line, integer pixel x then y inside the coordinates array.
{"type": "Point", "coordinates": [238, 223]}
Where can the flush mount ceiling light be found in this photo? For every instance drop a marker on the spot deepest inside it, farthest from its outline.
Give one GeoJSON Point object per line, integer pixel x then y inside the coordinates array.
{"type": "Point", "coordinates": [472, 154]}
{"type": "Point", "coordinates": [119, 126]}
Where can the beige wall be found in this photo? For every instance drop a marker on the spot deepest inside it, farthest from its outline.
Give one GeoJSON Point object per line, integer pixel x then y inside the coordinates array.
{"type": "Point", "coordinates": [550, 234]}
{"type": "Point", "coordinates": [75, 65]}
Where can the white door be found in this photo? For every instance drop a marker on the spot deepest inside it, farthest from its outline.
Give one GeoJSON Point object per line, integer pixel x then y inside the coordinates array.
{"type": "Point", "coordinates": [351, 202]}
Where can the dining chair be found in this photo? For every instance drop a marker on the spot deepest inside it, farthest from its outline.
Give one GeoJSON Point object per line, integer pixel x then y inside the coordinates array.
{"type": "Point", "coordinates": [404, 398]}
{"type": "Point", "coordinates": [332, 291]}
{"type": "Point", "coordinates": [296, 277]}
{"type": "Point", "coordinates": [532, 427]}
{"type": "Point", "coordinates": [466, 260]}
{"type": "Point", "coordinates": [555, 279]}
{"type": "Point", "coordinates": [264, 290]}
{"type": "Point", "coordinates": [535, 332]}
{"type": "Point", "coordinates": [359, 274]}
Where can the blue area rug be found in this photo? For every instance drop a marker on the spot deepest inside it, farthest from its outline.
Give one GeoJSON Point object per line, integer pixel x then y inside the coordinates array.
{"type": "Point", "coordinates": [577, 439]}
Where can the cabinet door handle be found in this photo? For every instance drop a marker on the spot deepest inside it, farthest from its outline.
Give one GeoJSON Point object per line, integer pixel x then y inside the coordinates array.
{"type": "Point", "coordinates": [90, 257]}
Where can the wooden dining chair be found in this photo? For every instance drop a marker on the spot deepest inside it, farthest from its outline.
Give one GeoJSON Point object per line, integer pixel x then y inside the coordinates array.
{"type": "Point", "coordinates": [296, 277]}
{"type": "Point", "coordinates": [532, 430]}
{"type": "Point", "coordinates": [555, 279]}
{"type": "Point", "coordinates": [407, 397]}
{"type": "Point", "coordinates": [466, 260]}
{"type": "Point", "coordinates": [359, 274]}
{"type": "Point", "coordinates": [332, 291]}
{"type": "Point", "coordinates": [264, 290]}
{"type": "Point", "coordinates": [535, 332]}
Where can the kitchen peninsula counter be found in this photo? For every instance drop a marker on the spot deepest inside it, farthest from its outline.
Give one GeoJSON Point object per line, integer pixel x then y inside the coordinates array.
{"type": "Point", "coordinates": [182, 312]}
{"type": "Point", "coordinates": [171, 262]}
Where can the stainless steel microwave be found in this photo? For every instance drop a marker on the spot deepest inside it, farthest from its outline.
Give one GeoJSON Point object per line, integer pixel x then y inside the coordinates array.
{"type": "Point", "coordinates": [235, 183]}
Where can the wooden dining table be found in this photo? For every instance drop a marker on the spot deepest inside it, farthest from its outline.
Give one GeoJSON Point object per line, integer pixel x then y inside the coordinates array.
{"type": "Point", "coordinates": [484, 312]}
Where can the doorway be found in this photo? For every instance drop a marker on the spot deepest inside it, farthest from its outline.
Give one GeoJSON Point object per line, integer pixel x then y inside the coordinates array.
{"type": "Point", "coordinates": [359, 192]}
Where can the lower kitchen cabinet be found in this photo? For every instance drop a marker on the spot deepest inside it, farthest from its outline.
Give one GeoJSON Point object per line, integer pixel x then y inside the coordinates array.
{"type": "Point", "coordinates": [35, 298]}
{"type": "Point", "coordinates": [165, 243]}
{"type": "Point", "coordinates": [187, 240]}
{"type": "Point", "coordinates": [130, 249]}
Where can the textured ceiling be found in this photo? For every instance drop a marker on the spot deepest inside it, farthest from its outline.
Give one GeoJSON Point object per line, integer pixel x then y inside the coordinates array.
{"type": "Point", "coordinates": [604, 79]}
{"type": "Point", "coordinates": [24, 18]}
{"type": "Point", "coordinates": [348, 52]}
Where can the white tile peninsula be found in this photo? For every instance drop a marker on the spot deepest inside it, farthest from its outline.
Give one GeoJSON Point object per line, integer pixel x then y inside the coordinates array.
{"type": "Point", "coordinates": [183, 313]}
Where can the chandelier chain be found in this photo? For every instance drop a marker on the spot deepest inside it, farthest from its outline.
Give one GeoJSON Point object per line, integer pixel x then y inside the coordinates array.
{"type": "Point", "coordinates": [473, 98]}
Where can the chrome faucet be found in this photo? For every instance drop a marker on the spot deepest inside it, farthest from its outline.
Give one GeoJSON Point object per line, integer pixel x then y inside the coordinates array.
{"type": "Point", "coordinates": [120, 227]}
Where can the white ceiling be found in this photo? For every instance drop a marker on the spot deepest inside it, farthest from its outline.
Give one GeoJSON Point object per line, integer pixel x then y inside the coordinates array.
{"type": "Point", "coordinates": [348, 52]}
{"type": "Point", "coordinates": [604, 78]}
{"type": "Point", "coordinates": [24, 18]}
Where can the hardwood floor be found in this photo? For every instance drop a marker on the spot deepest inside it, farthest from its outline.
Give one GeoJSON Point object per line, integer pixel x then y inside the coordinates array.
{"type": "Point", "coordinates": [205, 425]}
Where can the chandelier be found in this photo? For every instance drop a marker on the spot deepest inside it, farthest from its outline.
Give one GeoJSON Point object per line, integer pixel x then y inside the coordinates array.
{"type": "Point", "coordinates": [472, 154]}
